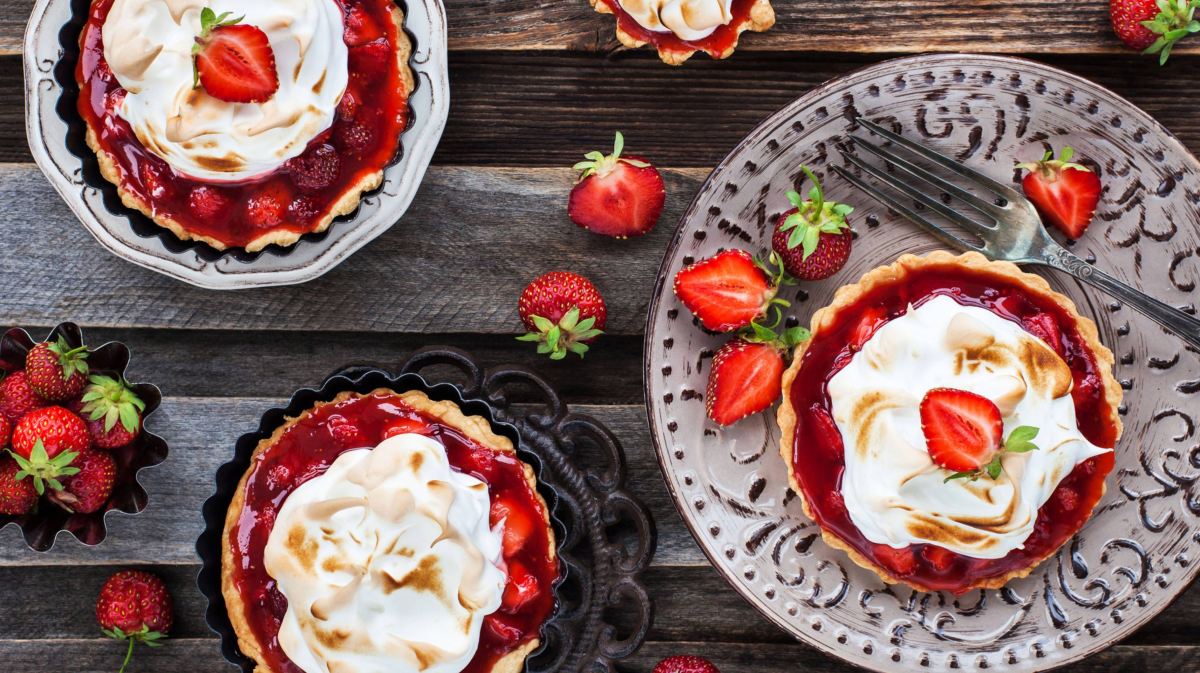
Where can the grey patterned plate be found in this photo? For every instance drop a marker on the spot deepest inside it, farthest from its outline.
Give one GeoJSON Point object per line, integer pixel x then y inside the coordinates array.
{"type": "Point", "coordinates": [1140, 548]}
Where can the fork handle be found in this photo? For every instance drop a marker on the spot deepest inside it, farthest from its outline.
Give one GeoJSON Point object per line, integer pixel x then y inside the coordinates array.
{"type": "Point", "coordinates": [1181, 324]}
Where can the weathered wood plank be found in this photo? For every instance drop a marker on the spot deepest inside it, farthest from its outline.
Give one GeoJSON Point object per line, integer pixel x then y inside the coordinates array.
{"type": "Point", "coordinates": [455, 264]}
{"type": "Point", "coordinates": [253, 364]}
{"type": "Point", "coordinates": [196, 655]}
{"type": "Point", "coordinates": [547, 109]}
{"type": "Point", "coordinates": [688, 601]}
{"type": "Point", "coordinates": [201, 433]}
{"type": "Point", "coordinates": [1077, 26]}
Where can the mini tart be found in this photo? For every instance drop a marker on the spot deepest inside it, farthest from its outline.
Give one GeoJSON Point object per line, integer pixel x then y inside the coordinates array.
{"type": "Point", "coordinates": [468, 438]}
{"type": "Point", "coordinates": [814, 472]}
{"type": "Point", "coordinates": [753, 15]}
{"type": "Point", "coordinates": [163, 196]}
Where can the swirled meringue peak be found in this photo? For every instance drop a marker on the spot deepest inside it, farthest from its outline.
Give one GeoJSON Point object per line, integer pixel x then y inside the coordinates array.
{"type": "Point", "coordinates": [148, 46]}
{"type": "Point", "coordinates": [387, 562]}
{"type": "Point", "coordinates": [687, 19]}
{"type": "Point", "coordinates": [893, 491]}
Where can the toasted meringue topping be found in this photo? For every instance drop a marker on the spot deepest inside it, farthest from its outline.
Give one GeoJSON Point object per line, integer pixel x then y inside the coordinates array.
{"type": "Point", "coordinates": [148, 46]}
{"type": "Point", "coordinates": [893, 491]}
{"type": "Point", "coordinates": [387, 562]}
{"type": "Point", "coordinates": [688, 19]}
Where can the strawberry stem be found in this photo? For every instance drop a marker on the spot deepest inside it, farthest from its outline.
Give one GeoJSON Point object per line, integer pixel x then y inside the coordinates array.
{"type": "Point", "coordinates": [128, 655]}
{"type": "Point", "coordinates": [600, 165]}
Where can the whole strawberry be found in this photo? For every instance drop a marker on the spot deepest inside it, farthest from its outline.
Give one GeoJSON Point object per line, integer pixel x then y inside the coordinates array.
{"type": "Point", "coordinates": [616, 196]}
{"type": "Point", "coordinates": [563, 312]}
{"type": "Point", "coordinates": [17, 496]}
{"type": "Point", "coordinates": [685, 664]}
{"type": "Point", "coordinates": [89, 489]}
{"type": "Point", "coordinates": [1153, 26]}
{"type": "Point", "coordinates": [813, 238]}
{"type": "Point", "coordinates": [134, 606]}
{"type": "Point", "coordinates": [45, 444]}
{"type": "Point", "coordinates": [113, 410]}
{"type": "Point", "coordinates": [17, 397]}
{"type": "Point", "coordinates": [56, 371]}
{"type": "Point", "coordinates": [55, 428]}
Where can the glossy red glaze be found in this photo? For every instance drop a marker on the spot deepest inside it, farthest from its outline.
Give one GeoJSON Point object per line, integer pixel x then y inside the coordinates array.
{"type": "Point", "coordinates": [718, 44]}
{"type": "Point", "coordinates": [365, 143]}
{"type": "Point", "coordinates": [819, 457]}
{"type": "Point", "coordinates": [307, 449]}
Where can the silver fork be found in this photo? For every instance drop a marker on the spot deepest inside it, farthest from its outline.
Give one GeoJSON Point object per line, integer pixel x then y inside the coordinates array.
{"type": "Point", "coordinates": [1013, 231]}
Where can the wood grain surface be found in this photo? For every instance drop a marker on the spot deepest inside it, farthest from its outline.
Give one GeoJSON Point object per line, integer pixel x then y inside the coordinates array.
{"type": "Point", "coordinates": [865, 26]}
{"type": "Point", "coordinates": [536, 83]}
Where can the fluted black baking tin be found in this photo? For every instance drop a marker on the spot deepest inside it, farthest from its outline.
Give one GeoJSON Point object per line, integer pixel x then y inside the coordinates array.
{"type": "Point", "coordinates": [605, 536]}
{"type": "Point", "coordinates": [42, 527]}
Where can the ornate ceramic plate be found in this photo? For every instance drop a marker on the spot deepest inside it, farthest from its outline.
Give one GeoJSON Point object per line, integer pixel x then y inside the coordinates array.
{"type": "Point", "coordinates": [55, 133]}
{"type": "Point", "coordinates": [1140, 548]}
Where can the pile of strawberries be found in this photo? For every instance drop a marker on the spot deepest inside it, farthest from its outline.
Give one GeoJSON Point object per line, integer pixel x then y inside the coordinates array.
{"type": "Point", "coordinates": [59, 424]}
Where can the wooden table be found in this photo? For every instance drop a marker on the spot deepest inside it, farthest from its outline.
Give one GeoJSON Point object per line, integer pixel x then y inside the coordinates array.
{"type": "Point", "coordinates": [536, 83]}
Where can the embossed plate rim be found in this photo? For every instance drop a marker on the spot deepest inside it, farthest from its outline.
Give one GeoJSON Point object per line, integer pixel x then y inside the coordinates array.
{"type": "Point", "coordinates": [892, 66]}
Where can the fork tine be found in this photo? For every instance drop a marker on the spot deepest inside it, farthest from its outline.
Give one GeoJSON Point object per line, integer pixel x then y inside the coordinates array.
{"type": "Point", "coordinates": [943, 161]}
{"type": "Point", "coordinates": [887, 200]}
{"type": "Point", "coordinates": [929, 201]}
{"type": "Point", "coordinates": [984, 207]}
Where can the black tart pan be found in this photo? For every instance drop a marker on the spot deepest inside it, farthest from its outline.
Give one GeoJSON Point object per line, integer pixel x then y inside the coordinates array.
{"type": "Point", "coordinates": [605, 536]}
{"type": "Point", "coordinates": [41, 527]}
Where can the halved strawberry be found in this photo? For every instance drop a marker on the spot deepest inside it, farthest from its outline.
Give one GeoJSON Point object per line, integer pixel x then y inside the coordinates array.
{"type": "Point", "coordinates": [746, 372]}
{"type": "Point", "coordinates": [518, 524]}
{"type": "Point", "coordinates": [616, 196]}
{"type": "Point", "coordinates": [939, 557]}
{"type": "Point", "coordinates": [360, 28]}
{"type": "Point", "coordinates": [1066, 194]}
{"type": "Point", "coordinates": [406, 426]}
{"type": "Point", "coordinates": [872, 319]}
{"type": "Point", "coordinates": [727, 291]}
{"type": "Point", "coordinates": [1045, 327]}
{"type": "Point", "coordinates": [962, 430]}
{"type": "Point", "coordinates": [827, 430]}
{"type": "Point", "coordinates": [234, 61]}
{"type": "Point", "coordinates": [963, 433]}
{"type": "Point", "coordinates": [521, 588]}
{"type": "Point", "coordinates": [899, 562]}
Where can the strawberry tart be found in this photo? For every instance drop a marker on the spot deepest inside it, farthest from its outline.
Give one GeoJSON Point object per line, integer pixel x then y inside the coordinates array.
{"type": "Point", "coordinates": [244, 124]}
{"type": "Point", "coordinates": [388, 531]}
{"type": "Point", "coordinates": [680, 28]}
{"type": "Point", "coordinates": [951, 422]}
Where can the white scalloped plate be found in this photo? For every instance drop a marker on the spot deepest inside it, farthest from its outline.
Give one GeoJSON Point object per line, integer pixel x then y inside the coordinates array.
{"type": "Point", "coordinates": [200, 265]}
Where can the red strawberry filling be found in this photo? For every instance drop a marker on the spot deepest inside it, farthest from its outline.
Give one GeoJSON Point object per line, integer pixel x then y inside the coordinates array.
{"type": "Point", "coordinates": [306, 451]}
{"type": "Point", "coordinates": [717, 44]}
{"type": "Point", "coordinates": [296, 197]}
{"type": "Point", "coordinates": [817, 453]}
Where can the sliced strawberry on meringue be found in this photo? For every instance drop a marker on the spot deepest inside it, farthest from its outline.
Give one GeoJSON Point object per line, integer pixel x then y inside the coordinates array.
{"type": "Point", "coordinates": [234, 62]}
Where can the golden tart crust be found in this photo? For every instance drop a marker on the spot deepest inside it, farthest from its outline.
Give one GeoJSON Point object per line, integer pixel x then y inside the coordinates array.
{"type": "Point", "coordinates": [848, 297]}
{"type": "Point", "coordinates": [475, 428]}
{"type": "Point", "coordinates": [345, 205]}
{"type": "Point", "coordinates": [760, 20]}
